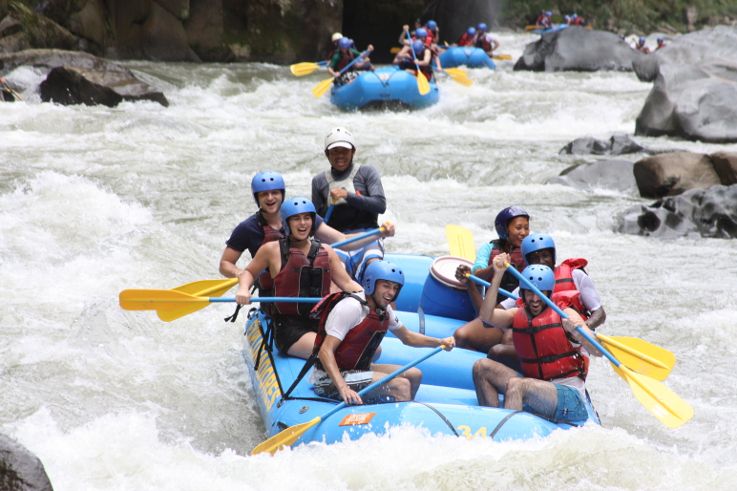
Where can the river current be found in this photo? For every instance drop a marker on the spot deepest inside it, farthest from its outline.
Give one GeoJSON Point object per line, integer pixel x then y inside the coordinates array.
{"type": "Point", "coordinates": [95, 200]}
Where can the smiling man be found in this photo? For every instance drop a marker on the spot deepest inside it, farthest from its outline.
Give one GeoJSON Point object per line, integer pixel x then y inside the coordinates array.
{"type": "Point", "coordinates": [349, 196]}
{"type": "Point", "coordinates": [350, 331]}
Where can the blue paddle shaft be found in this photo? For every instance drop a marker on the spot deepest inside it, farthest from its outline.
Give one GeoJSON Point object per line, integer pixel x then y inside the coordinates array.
{"type": "Point", "coordinates": [485, 283]}
{"type": "Point", "coordinates": [358, 237]}
{"type": "Point", "coordinates": [329, 213]}
{"type": "Point", "coordinates": [267, 299]}
{"type": "Point", "coordinates": [353, 62]}
{"type": "Point", "coordinates": [384, 380]}
{"type": "Point", "coordinates": [550, 303]}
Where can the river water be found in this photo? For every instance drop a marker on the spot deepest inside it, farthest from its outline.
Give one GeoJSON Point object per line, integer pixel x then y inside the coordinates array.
{"type": "Point", "coordinates": [95, 200]}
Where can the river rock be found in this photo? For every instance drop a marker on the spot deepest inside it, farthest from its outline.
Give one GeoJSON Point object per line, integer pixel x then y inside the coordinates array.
{"type": "Point", "coordinates": [695, 91]}
{"type": "Point", "coordinates": [603, 174]}
{"type": "Point", "coordinates": [82, 72]}
{"type": "Point", "coordinates": [668, 174]}
{"type": "Point", "coordinates": [725, 165]}
{"type": "Point", "coordinates": [20, 470]}
{"type": "Point", "coordinates": [618, 144]}
{"type": "Point", "coordinates": [709, 212]}
{"type": "Point", "coordinates": [580, 49]}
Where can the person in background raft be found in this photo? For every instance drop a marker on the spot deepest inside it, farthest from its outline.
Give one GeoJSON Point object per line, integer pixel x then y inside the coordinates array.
{"type": "Point", "coordinates": [299, 266]}
{"type": "Point", "coordinates": [467, 38]}
{"type": "Point", "coordinates": [422, 54]}
{"type": "Point", "coordinates": [351, 329]}
{"type": "Point", "coordinates": [640, 45]}
{"type": "Point", "coordinates": [512, 225]}
{"type": "Point", "coordinates": [352, 195]}
{"type": "Point", "coordinates": [433, 31]}
{"type": "Point", "coordinates": [418, 31]}
{"type": "Point", "coordinates": [334, 44]}
{"type": "Point", "coordinates": [266, 225]}
{"type": "Point", "coordinates": [661, 44]}
{"type": "Point", "coordinates": [553, 356]}
{"type": "Point", "coordinates": [345, 54]}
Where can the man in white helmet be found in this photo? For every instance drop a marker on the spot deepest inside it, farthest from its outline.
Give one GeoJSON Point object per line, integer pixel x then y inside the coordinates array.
{"type": "Point", "coordinates": [349, 196]}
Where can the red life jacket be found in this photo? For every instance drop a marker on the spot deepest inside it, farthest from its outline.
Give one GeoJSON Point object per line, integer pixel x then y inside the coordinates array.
{"type": "Point", "coordinates": [358, 347]}
{"type": "Point", "coordinates": [564, 284]}
{"type": "Point", "coordinates": [301, 276]}
{"type": "Point", "coordinates": [509, 282]}
{"type": "Point", "coordinates": [483, 43]}
{"type": "Point", "coordinates": [465, 40]}
{"type": "Point", "coordinates": [265, 281]}
{"type": "Point", "coordinates": [543, 347]}
{"type": "Point", "coordinates": [344, 60]}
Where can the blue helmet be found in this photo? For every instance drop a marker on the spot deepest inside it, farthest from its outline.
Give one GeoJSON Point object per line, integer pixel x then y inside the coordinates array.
{"type": "Point", "coordinates": [482, 26]}
{"type": "Point", "coordinates": [381, 270]}
{"type": "Point", "coordinates": [537, 242]}
{"type": "Point", "coordinates": [344, 43]}
{"type": "Point", "coordinates": [641, 40]}
{"type": "Point", "coordinates": [471, 31]}
{"type": "Point", "coordinates": [501, 222]}
{"type": "Point", "coordinates": [295, 206]}
{"type": "Point", "coordinates": [418, 46]}
{"type": "Point", "coordinates": [549, 13]}
{"type": "Point", "coordinates": [539, 275]}
{"type": "Point", "coordinates": [421, 32]}
{"type": "Point", "coordinates": [267, 181]}
{"type": "Point", "coordinates": [431, 24]}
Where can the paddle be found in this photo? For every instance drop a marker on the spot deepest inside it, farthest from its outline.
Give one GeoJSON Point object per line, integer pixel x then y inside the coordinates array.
{"type": "Point", "coordinates": [329, 213]}
{"type": "Point", "coordinates": [4, 85]}
{"type": "Point", "coordinates": [290, 435]}
{"type": "Point", "coordinates": [460, 241]}
{"type": "Point", "coordinates": [458, 75]}
{"type": "Point", "coordinates": [173, 304]}
{"type": "Point", "coordinates": [423, 86]}
{"type": "Point", "coordinates": [502, 57]}
{"type": "Point", "coordinates": [635, 353]}
{"type": "Point", "coordinates": [320, 89]}
{"type": "Point", "coordinates": [662, 402]}
{"type": "Point", "coordinates": [358, 237]}
{"type": "Point", "coordinates": [306, 68]}
{"type": "Point", "coordinates": [207, 288]}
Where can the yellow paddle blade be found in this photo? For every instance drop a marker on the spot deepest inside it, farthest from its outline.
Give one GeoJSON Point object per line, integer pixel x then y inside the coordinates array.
{"type": "Point", "coordinates": [320, 89]}
{"type": "Point", "coordinates": [459, 75]}
{"type": "Point", "coordinates": [460, 242]}
{"type": "Point", "coordinates": [304, 68]}
{"type": "Point", "coordinates": [395, 50]}
{"type": "Point", "coordinates": [285, 438]}
{"type": "Point", "coordinates": [168, 304]}
{"type": "Point", "coordinates": [208, 288]}
{"type": "Point", "coordinates": [502, 57]}
{"type": "Point", "coordinates": [640, 356]}
{"type": "Point", "coordinates": [662, 402]}
{"type": "Point", "coordinates": [422, 84]}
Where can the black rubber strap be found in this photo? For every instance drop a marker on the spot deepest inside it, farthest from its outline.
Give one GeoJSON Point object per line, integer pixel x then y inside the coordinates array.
{"type": "Point", "coordinates": [502, 423]}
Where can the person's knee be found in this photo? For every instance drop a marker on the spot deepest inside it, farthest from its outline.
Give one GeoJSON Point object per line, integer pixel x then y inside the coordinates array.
{"type": "Point", "coordinates": [516, 385]}
{"type": "Point", "coordinates": [462, 337]}
{"type": "Point", "coordinates": [414, 375]}
{"type": "Point", "coordinates": [402, 389]}
{"type": "Point", "coordinates": [480, 370]}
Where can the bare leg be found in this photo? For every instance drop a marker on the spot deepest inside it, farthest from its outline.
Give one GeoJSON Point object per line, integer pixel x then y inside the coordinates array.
{"type": "Point", "coordinates": [303, 347]}
{"type": "Point", "coordinates": [402, 387]}
{"type": "Point", "coordinates": [491, 378]}
{"type": "Point", "coordinates": [540, 396]}
{"type": "Point", "coordinates": [473, 335]}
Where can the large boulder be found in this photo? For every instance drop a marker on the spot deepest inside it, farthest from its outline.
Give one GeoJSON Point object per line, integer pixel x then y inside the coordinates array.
{"type": "Point", "coordinates": [579, 49]}
{"type": "Point", "coordinates": [613, 175]}
{"type": "Point", "coordinates": [81, 70]}
{"type": "Point", "coordinates": [668, 174]}
{"type": "Point", "coordinates": [20, 470]}
{"type": "Point", "coordinates": [695, 90]}
{"type": "Point", "coordinates": [708, 212]}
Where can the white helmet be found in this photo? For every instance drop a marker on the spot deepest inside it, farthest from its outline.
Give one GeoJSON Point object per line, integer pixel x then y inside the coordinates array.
{"type": "Point", "coordinates": [336, 36]}
{"type": "Point", "coordinates": [339, 137]}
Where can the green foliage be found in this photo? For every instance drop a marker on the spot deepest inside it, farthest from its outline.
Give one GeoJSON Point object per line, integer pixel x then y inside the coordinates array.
{"type": "Point", "coordinates": [625, 16]}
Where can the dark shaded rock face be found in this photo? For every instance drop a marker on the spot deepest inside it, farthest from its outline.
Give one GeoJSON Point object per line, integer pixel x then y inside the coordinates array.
{"type": "Point", "coordinates": [695, 90]}
{"type": "Point", "coordinates": [20, 470]}
{"type": "Point", "coordinates": [84, 79]}
{"type": "Point", "coordinates": [669, 174]}
{"type": "Point", "coordinates": [579, 49]}
{"type": "Point", "coordinates": [604, 174]}
{"type": "Point", "coordinates": [618, 144]}
{"type": "Point", "coordinates": [709, 212]}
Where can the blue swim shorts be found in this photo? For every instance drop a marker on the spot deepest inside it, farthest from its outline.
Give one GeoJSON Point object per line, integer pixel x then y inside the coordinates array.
{"type": "Point", "coordinates": [571, 407]}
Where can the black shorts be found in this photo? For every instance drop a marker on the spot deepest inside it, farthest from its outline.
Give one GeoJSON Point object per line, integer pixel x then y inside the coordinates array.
{"type": "Point", "coordinates": [288, 330]}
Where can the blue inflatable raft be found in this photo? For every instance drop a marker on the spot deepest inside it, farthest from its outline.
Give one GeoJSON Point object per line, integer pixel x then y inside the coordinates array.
{"type": "Point", "coordinates": [384, 87]}
{"type": "Point", "coordinates": [446, 401]}
{"type": "Point", "coordinates": [466, 55]}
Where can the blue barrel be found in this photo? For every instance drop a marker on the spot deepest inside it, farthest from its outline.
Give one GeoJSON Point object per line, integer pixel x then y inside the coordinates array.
{"type": "Point", "coordinates": [442, 294]}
